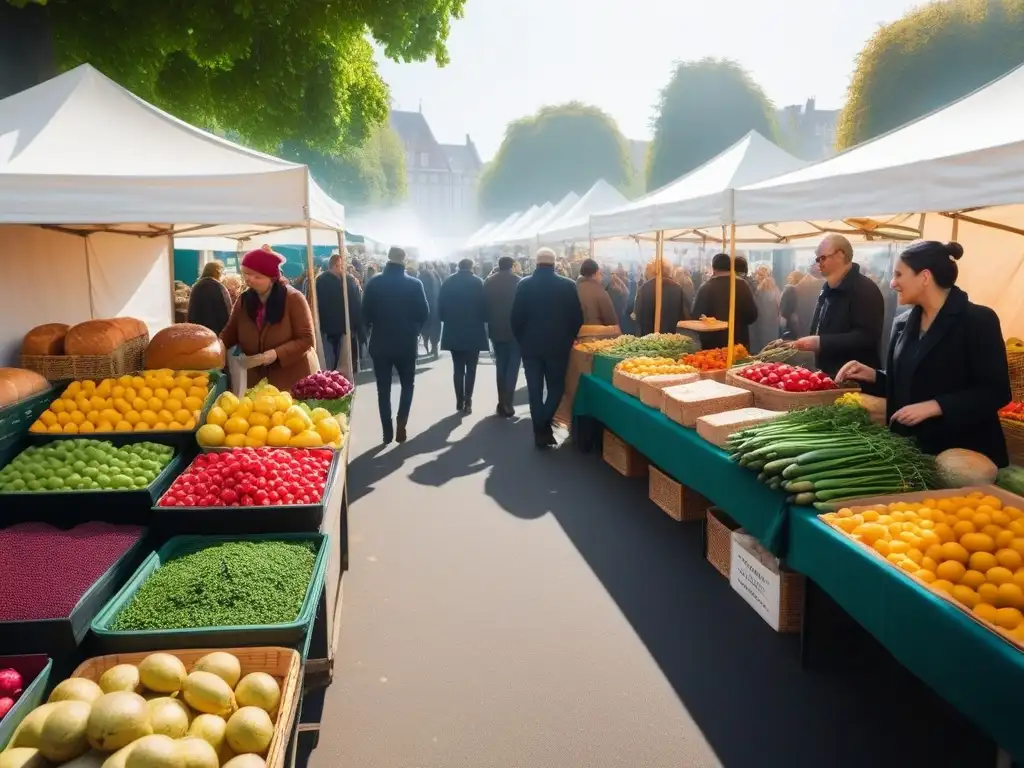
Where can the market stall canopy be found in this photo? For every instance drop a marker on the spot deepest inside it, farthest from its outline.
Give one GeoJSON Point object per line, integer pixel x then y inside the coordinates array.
{"type": "Point", "coordinates": [481, 237]}
{"type": "Point", "coordinates": [524, 226]}
{"type": "Point", "coordinates": [80, 151]}
{"type": "Point", "coordinates": [496, 237]}
{"type": "Point", "coordinates": [528, 233]}
{"type": "Point", "coordinates": [701, 198]}
{"type": "Point", "coordinates": [480, 233]}
{"type": "Point", "coordinates": [574, 225]}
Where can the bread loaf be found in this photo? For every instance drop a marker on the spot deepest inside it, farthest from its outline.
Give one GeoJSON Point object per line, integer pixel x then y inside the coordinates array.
{"type": "Point", "coordinates": [16, 384]}
{"type": "Point", "coordinates": [185, 347]}
{"type": "Point", "coordinates": [130, 327]}
{"type": "Point", "coordinates": [93, 337]}
{"type": "Point", "coordinates": [45, 340]}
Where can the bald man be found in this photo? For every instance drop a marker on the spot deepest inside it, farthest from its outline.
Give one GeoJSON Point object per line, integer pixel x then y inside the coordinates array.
{"type": "Point", "coordinates": [847, 322]}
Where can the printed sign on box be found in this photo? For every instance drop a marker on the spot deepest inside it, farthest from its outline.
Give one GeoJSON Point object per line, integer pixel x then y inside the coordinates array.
{"type": "Point", "coordinates": [758, 584]}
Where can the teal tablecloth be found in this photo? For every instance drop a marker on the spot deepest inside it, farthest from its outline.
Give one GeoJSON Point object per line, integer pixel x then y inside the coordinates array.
{"type": "Point", "coordinates": [687, 457]}
{"type": "Point", "coordinates": [970, 667]}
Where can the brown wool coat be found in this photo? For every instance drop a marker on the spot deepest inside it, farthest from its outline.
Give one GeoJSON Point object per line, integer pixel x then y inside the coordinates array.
{"type": "Point", "coordinates": [288, 330]}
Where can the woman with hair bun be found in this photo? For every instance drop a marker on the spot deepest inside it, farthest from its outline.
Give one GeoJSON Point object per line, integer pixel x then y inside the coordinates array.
{"type": "Point", "coordinates": [946, 375]}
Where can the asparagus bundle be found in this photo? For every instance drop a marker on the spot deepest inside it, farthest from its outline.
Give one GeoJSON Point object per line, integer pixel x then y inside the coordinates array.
{"type": "Point", "coordinates": [832, 453]}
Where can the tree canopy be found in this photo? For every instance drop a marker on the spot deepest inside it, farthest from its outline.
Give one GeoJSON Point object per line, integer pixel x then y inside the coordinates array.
{"type": "Point", "coordinates": [273, 70]}
{"type": "Point", "coordinates": [934, 55]}
{"type": "Point", "coordinates": [706, 107]}
{"type": "Point", "coordinates": [561, 149]}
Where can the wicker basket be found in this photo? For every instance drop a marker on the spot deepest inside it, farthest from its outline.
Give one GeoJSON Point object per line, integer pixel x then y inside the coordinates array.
{"type": "Point", "coordinates": [718, 376]}
{"type": "Point", "coordinates": [677, 501]}
{"type": "Point", "coordinates": [127, 358]}
{"type": "Point", "coordinates": [718, 540]}
{"type": "Point", "coordinates": [1015, 361]}
{"type": "Point", "coordinates": [1014, 433]}
{"type": "Point", "coordinates": [776, 400]}
{"type": "Point", "coordinates": [626, 383]}
{"type": "Point", "coordinates": [283, 664]}
{"type": "Point", "coordinates": [622, 457]}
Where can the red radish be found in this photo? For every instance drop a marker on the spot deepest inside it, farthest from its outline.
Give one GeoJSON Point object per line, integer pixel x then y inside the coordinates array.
{"type": "Point", "coordinates": [10, 683]}
{"type": "Point", "coordinates": [6, 703]}
{"type": "Point", "coordinates": [322, 385]}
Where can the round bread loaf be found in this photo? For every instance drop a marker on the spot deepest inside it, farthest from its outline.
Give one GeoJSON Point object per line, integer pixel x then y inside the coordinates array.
{"type": "Point", "coordinates": [45, 339]}
{"type": "Point", "coordinates": [185, 347]}
{"type": "Point", "coordinates": [94, 337]}
{"type": "Point", "coordinates": [17, 384]}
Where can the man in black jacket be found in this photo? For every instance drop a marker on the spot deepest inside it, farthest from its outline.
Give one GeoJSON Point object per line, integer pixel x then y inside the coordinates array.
{"type": "Point", "coordinates": [712, 300]}
{"type": "Point", "coordinates": [330, 302]}
{"type": "Point", "coordinates": [847, 322]}
{"type": "Point", "coordinates": [499, 292]}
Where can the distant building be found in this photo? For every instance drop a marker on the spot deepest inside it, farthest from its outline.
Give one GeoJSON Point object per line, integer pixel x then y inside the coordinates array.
{"type": "Point", "coordinates": [442, 178]}
{"type": "Point", "coordinates": [808, 132]}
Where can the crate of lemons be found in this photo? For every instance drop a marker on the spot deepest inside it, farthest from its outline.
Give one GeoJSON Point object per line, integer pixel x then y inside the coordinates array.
{"type": "Point", "coordinates": [149, 401]}
{"type": "Point", "coordinates": [969, 548]}
{"type": "Point", "coordinates": [156, 714]}
{"type": "Point", "coordinates": [268, 417]}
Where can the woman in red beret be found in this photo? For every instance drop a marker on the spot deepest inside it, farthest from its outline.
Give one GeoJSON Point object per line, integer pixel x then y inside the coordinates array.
{"type": "Point", "coordinates": [272, 324]}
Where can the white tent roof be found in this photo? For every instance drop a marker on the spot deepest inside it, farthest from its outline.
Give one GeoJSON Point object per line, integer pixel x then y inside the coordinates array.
{"type": "Point", "coordinates": [481, 237]}
{"type": "Point", "coordinates": [497, 235]}
{"type": "Point", "coordinates": [524, 227]}
{"type": "Point", "coordinates": [575, 223]}
{"type": "Point", "coordinates": [529, 232]}
{"type": "Point", "coordinates": [482, 232]}
{"type": "Point", "coordinates": [81, 151]}
{"type": "Point", "coordinates": [702, 197]}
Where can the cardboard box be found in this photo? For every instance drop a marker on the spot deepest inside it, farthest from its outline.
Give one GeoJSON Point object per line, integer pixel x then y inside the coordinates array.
{"type": "Point", "coordinates": [775, 594]}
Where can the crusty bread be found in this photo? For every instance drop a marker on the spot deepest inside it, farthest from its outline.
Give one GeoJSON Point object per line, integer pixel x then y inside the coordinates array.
{"type": "Point", "coordinates": [17, 384]}
{"type": "Point", "coordinates": [93, 337]}
{"type": "Point", "coordinates": [185, 347]}
{"type": "Point", "coordinates": [45, 339]}
{"type": "Point", "coordinates": [130, 327]}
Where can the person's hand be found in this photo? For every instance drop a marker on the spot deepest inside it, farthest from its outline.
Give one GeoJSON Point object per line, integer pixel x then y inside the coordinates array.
{"type": "Point", "coordinates": [808, 344]}
{"type": "Point", "coordinates": [854, 371]}
{"type": "Point", "coordinates": [249, 361]}
{"type": "Point", "coordinates": [912, 415]}
{"type": "Point", "coordinates": [269, 357]}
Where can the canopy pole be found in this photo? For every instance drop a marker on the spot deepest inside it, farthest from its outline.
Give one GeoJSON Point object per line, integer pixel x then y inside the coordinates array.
{"type": "Point", "coordinates": [346, 354]}
{"type": "Point", "coordinates": [732, 294]}
{"type": "Point", "coordinates": [956, 228]}
{"type": "Point", "coordinates": [659, 252]}
{"type": "Point", "coordinates": [311, 283]}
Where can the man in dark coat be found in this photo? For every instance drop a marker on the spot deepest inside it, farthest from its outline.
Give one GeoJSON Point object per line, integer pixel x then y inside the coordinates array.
{"type": "Point", "coordinates": [499, 292]}
{"type": "Point", "coordinates": [546, 318]}
{"type": "Point", "coordinates": [673, 304]}
{"type": "Point", "coordinates": [463, 313]}
{"type": "Point", "coordinates": [712, 300]}
{"type": "Point", "coordinates": [431, 286]}
{"type": "Point", "coordinates": [394, 311]}
{"type": "Point", "coordinates": [334, 321]}
{"type": "Point", "coordinates": [847, 321]}
{"type": "Point", "coordinates": [209, 303]}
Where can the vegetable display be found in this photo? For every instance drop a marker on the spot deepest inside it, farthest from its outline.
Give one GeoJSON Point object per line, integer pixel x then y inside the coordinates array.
{"type": "Point", "coordinates": [251, 477]}
{"type": "Point", "coordinates": [322, 385]}
{"type": "Point", "coordinates": [832, 453]}
{"type": "Point", "coordinates": [11, 685]}
{"type": "Point", "coordinates": [715, 359]}
{"type": "Point", "coordinates": [671, 345]}
{"type": "Point", "coordinates": [85, 465]}
{"type": "Point", "coordinates": [238, 583]}
{"type": "Point", "coordinates": [598, 345]}
{"type": "Point", "coordinates": [269, 417]}
{"type": "Point", "coordinates": [1012, 412]}
{"type": "Point", "coordinates": [969, 548]}
{"type": "Point", "coordinates": [1011, 479]}
{"type": "Point", "coordinates": [54, 568]}
{"type": "Point", "coordinates": [653, 366]}
{"type": "Point", "coordinates": [787, 378]}
{"type": "Point", "coordinates": [959, 468]}
{"type": "Point", "coordinates": [156, 400]}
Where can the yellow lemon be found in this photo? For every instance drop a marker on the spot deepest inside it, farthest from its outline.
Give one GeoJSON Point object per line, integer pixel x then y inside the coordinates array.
{"type": "Point", "coordinates": [295, 425]}
{"type": "Point", "coordinates": [105, 426]}
{"type": "Point", "coordinates": [123, 426]}
{"type": "Point", "coordinates": [306, 439]}
{"type": "Point", "coordinates": [140, 404]}
{"type": "Point", "coordinates": [1008, 618]}
{"type": "Point", "coordinates": [71, 428]}
{"type": "Point", "coordinates": [63, 418]}
{"type": "Point", "coordinates": [183, 380]}
{"type": "Point", "coordinates": [160, 426]}
{"type": "Point", "coordinates": [277, 420]}
{"type": "Point", "coordinates": [178, 393]}
{"type": "Point", "coordinates": [217, 415]}
{"type": "Point", "coordinates": [141, 427]}
{"type": "Point", "coordinates": [235, 441]}
{"type": "Point", "coordinates": [48, 417]}
{"type": "Point", "coordinates": [264, 405]}
{"type": "Point", "coordinates": [165, 415]}
{"type": "Point", "coordinates": [117, 391]}
{"type": "Point", "coordinates": [279, 436]}
{"type": "Point", "coordinates": [58, 406]}
{"type": "Point", "coordinates": [73, 388]}
{"type": "Point", "coordinates": [37, 426]}
{"type": "Point", "coordinates": [86, 428]}
{"type": "Point", "coordinates": [77, 417]}
{"type": "Point", "coordinates": [192, 403]}
{"type": "Point", "coordinates": [173, 404]}
{"type": "Point", "coordinates": [144, 392]}
{"type": "Point", "coordinates": [149, 417]}
{"type": "Point", "coordinates": [259, 420]}
{"type": "Point", "coordinates": [197, 392]}
{"type": "Point", "coordinates": [258, 435]}
{"type": "Point", "coordinates": [155, 404]}
{"type": "Point", "coordinates": [181, 415]}
{"type": "Point", "coordinates": [105, 387]}
{"type": "Point", "coordinates": [236, 426]}
{"type": "Point", "coordinates": [133, 417]}
{"type": "Point", "coordinates": [1008, 558]}
{"type": "Point", "coordinates": [55, 429]}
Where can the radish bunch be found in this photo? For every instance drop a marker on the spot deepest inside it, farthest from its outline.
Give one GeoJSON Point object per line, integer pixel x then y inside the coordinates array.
{"type": "Point", "coordinates": [322, 385]}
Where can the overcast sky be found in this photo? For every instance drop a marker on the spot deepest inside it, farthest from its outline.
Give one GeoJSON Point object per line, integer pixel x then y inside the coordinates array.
{"type": "Point", "coordinates": [510, 57]}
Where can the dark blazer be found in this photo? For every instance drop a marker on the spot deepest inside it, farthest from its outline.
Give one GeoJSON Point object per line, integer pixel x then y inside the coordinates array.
{"type": "Point", "coordinates": [712, 300]}
{"type": "Point", "coordinates": [394, 311]}
{"type": "Point", "coordinates": [961, 363]}
{"type": "Point", "coordinates": [673, 306]}
{"type": "Point", "coordinates": [546, 314]}
{"type": "Point", "coordinates": [499, 292]}
{"type": "Point", "coordinates": [209, 304]}
{"type": "Point", "coordinates": [848, 322]}
{"type": "Point", "coordinates": [463, 312]}
{"type": "Point", "coordinates": [330, 303]}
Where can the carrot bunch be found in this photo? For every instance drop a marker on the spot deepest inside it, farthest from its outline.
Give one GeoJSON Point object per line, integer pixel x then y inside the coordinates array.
{"type": "Point", "coordinates": [715, 359]}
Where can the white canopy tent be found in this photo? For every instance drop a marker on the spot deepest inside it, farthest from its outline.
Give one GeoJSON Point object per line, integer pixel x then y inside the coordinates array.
{"type": "Point", "coordinates": [497, 235]}
{"type": "Point", "coordinates": [480, 239]}
{"type": "Point", "coordinates": [525, 226]}
{"type": "Point", "coordinates": [94, 183]}
{"type": "Point", "coordinates": [574, 224]}
{"type": "Point", "coordinates": [957, 173]}
{"type": "Point", "coordinates": [529, 233]}
{"type": "Point", "coordinates": [481, 233]}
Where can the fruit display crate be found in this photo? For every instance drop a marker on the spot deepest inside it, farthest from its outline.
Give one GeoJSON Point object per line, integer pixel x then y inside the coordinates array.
{"type": "Point", "coordinates": [15, 419]}
{"type": "Point", "coordinates": [283, 664]}
{"type": "Point", "coordinates": [182, 439]}
{"type": "Point", "coordinates": [291, 634]}
{"type": "Point", "coordinates": [60, 638]}
{"type": "Point", "coordinates": [35, 675]}
{"type": "Point", "coordinates": [225, 521]}
{"type": "Point", "coordinates": [67, 508]}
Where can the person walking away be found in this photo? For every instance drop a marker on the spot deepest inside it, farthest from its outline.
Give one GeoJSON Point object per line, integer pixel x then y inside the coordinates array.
{"type": "Point", "coordinates": [712, 300]}
{"type": "Point", "coordinates": [432, 329]}
{"type": "Point", "coordinates": [272, 325]}
{"type": "Point", "coordinates": [766, 329]}
{"type": "Point", "coordinates": [618, 291]}
{"type": "Point", "coordinates": [334, 320]}
{"type": "Point", "coordinates": [463, 313]}
{"type": "Point", "coordinates": [546, 318]}
{"type": "Point", "coordinates": [673, 304]}
{"type": "Point", "coordinates": [848, 316]}
{"type": "Point", "coordinates": [594, 299]}
{"type": "Point", "coordinates": [946, 374]}
{"type": "Point", "coordinates": [394, 311]}
{"type": "Point", "coordinates": [499, 292]}
{"type": "Point", "coordinates": [209, 303]}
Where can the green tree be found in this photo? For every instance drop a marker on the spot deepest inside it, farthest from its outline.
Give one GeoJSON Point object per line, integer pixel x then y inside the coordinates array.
{"type": "Point", "coordinates": [706, 107]}
{"type": "Point", "coordinates": [561, 149]}
{"type": "Point", "coordinates": [274, 70]}
{"type": "Point", "coordinates": [934, 55]}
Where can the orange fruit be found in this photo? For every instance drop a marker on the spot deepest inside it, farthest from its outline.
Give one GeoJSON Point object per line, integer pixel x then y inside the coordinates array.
{"type": "Point", "coordinates": [928, 564]}
{"type": "Point", "coordinates": [934, 552]}
{"type": "Point", "coordinates": [1008, 618]}
{"type": "Point", "coordinates": [989, 593]}
{"type": "Point", "coordinates": [991, 530]}
{"type": "Point", "coordinates": [973, 579]}
{"type": "Point", "coordinates": [1009, 558]}
{"type": "Point", "coordinates": [943, 586]}
{"type": "Point", "coordinates": [985, 611]}
{"type": "Point", "coordinates": [962, 528]}
{"type": "Point", "coordinates": [925, 575]}
{"type": "Point", "coordinates": [978, 542]}
{"type": "Point", "coordinates": [951, 550]}
{"type": "Point", "coordinates": [965, 595]}
{"type": "Point", "coordinates": [1017, 544]}
{"type": "Point", "coordinates": [998, 575]}
{"type": "Point", "coordinates": [951, 571]}
{"type": "Point", "coordinates": [881, 546]}
{"type": "Point", "coordinates": [1003, 539]}
{"type": "Point", "coordinates": [982, 561]}
{"type": "Point", "coordinates": [1010, 596]}
{"type": "Point", "coordinates": [944, 532]}
{"type": "Point", "coordinates": [1018, 578]}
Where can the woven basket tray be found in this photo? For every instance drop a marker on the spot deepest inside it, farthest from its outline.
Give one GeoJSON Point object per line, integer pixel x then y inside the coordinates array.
{"type": "Point", "coordinates": [680, 503]}
{"type": "Point", "coordinates": [622, 457]}
{"type": "Point", "coordinates": [718, 540]}
{"type": "Point", "coordinates": [626, 382]}
{"type": "Point", "coordinates": [1015, 361]}
{"type": "Point", "coordinates": [1014, 433]}
{"type": "Point", "coordinates": [127, 358]}
{"type": "Point", "coordinates": [283, 664]}
{"type": "Point", "coordinates": [776, 400]}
